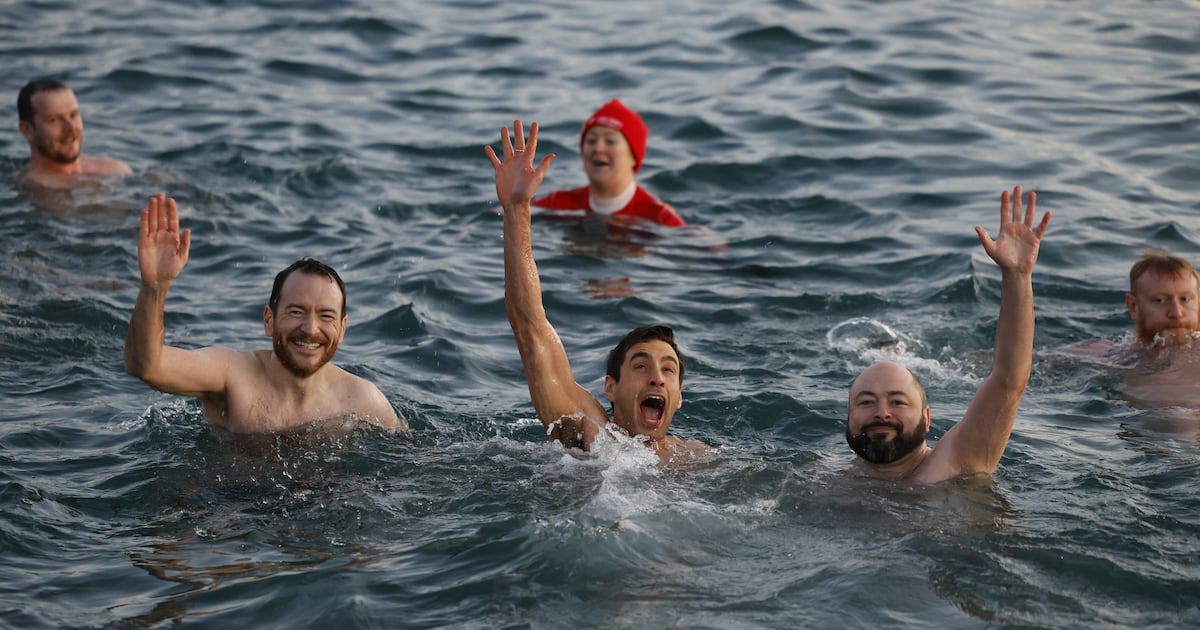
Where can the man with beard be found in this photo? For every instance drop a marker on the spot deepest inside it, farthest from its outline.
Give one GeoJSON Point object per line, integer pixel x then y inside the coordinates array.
{"type": "Point", "coordinates": [292, 386]}
{"type": "Point", "coordinates": [51, 122]}
{"type": "Point", "coordinates": [1158, 362]}
{"type": "Point", "coordinates": [644, 379]}
{"type": "Point", "coordinates": [1163, 299]}
{"type": "Point", "coordinates": [889, 416]}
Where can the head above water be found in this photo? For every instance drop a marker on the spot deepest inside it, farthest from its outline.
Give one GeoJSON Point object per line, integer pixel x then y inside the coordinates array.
{"type": "Point", "coordinates": [644, 382]}
{"type": "Point", "coordinates": [887, 413]}
{"type": "Point", "coordinates": [615, 115]}
{"type": "Point", "coordinates": [309, 266]}
{"type": "Point", "coordinates": [1164, 298]}
{"type": "Point", "coordinates": [25, 110]}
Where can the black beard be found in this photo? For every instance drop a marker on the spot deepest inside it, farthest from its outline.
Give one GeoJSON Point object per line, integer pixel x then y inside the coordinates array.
{"type": "Point", "coordinates": [881, 450]}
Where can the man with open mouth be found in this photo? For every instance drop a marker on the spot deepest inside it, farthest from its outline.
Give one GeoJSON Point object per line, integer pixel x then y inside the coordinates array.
{"type": "Point", "coordinates": [644, 378]}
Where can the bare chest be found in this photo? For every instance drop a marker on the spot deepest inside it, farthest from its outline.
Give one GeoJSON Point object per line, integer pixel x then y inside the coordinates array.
{"type": "Point", "coordinates": [256, 408]}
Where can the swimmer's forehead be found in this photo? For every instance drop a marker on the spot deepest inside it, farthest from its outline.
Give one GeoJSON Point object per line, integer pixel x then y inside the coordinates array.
{"type": "Point", "coordinates": [651, 349]}
{"type": "Point", "coordinates": [884, 379]}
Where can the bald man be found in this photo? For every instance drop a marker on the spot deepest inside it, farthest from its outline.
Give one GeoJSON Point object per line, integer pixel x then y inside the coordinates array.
{"type": "Point", "coordinates": [889, 416]}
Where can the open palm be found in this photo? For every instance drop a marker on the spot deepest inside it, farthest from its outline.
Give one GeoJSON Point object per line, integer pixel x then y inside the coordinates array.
{"type": "Point", "coordinates": [516, 177]}
{"type": "Point", "coordinates": [1016, 246]}
{"type": "Point", "coordinates": [162, 247]}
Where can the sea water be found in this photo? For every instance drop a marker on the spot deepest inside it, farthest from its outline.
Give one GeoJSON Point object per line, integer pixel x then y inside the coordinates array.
{"type": "Point", "coordinates": [843, 151]}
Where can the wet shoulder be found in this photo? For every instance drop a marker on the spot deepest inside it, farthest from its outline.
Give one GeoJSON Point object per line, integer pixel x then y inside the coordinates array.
{"type": "Point", "coordinates": [93, 165]}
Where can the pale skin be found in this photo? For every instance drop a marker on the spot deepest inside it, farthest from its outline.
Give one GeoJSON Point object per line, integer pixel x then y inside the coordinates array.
{"type": "Point", "coordinates": [248, 391]}
{"type": "Point", "coordinates": [608, 161]}
{"type": "Point", "coordinates": [56, 142]}
{"type": "Point", "coordinates": [1164, 305]}
{"type": "Point", "coordinates": [1165, 310]}
{"type": "Point", "coordinates": [887, 391]}
{"type": "Point", "coordinates": [570, 413]}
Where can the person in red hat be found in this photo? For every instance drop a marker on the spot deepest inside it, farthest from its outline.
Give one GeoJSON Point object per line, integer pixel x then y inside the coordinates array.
{"type": "Point", "coordinates": [612, 144]}
{"type": "Point", "coordinates": [643, 382]}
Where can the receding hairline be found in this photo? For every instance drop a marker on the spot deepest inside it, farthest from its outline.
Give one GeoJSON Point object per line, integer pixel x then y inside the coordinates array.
{"type": "Point", "coordinates": [879, 365]}
{"type": "Point", "coordinates": [1160, 264]}
{"type": "Point", "coordinates": [40, 85]}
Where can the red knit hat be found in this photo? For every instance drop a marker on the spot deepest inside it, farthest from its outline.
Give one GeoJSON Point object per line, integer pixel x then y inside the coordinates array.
{"type": "Point", "coordinates": [614, 114]}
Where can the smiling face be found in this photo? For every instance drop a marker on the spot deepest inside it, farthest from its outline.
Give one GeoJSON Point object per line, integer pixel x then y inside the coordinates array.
{"type": "Point", "coordinates": [888, 417]}
{"type": "Point", "coordinates": [608, 160]}
{"type": "Point", "coordinates": [56, 131]}
{"type": "Point", "coordinates": [1164, 305]}
{"type": "Point", "coordinates": [649, 390]}
{"type": "Point", "coordinates": [307, 324]}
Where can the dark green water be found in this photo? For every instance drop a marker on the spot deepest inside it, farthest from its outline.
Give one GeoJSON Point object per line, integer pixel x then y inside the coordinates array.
{"type": "Point", "coordinates": [844, 151]}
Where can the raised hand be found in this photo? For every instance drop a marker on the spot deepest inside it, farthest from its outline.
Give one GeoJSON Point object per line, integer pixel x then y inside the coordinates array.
{"type": "Point", "coordinates": [1016, 246]}
{"type": "Point", "coordinates": [162, 247]}
{"type": "Point", "coordinates": [516, 178]}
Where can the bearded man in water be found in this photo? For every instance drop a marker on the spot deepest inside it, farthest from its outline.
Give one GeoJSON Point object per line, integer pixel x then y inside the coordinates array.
{"type": "Point", "coordinates": [293, 385]}
{"type": "Point", "coordinates": [50, 120]}
{"type": "Point", "coordinates": [889, 416]}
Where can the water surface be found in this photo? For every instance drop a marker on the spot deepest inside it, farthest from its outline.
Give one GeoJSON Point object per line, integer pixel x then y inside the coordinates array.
{"type": "Point", "coordinates": [843, 150]}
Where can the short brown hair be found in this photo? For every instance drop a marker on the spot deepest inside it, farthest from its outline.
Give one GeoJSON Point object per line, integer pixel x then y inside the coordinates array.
{"type": "Point", "coordinates": [25, 96]}
{"type": "Point", "coordinates": [1161, 264]}
{"type": "Point", "coordinates": [645, 333]}
{"type": "Point", "coordinates": [311, 267]}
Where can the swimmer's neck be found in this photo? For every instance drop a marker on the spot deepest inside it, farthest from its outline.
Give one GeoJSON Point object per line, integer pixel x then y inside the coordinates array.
{"type": "Point", "coordinates": [605, 192]}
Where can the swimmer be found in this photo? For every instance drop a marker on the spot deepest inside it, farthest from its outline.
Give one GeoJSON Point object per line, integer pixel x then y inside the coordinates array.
{"type": "Point", "coordinates": [888, 414]}
{"type": "Point", "coordinates": [51, 122]}
{"type": "Point", "coordinates": [1163, 299]}
{"type": "Point", "coordinates": [1160, 358]}
{"type": "Point", "coordinates": [294, 385]}
{"type": "Point", "coordinates": [612, 145]}
{"type": "Point", "coordinates": [644, 379]}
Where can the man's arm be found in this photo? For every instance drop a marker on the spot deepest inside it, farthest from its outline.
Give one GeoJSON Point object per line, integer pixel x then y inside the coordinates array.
{"type": "Point", "coordinates": [162, 254]}
{"type": "Point", "coordinates": [556, 396]}
{"type": "Point", "coordinates": [975, 444]}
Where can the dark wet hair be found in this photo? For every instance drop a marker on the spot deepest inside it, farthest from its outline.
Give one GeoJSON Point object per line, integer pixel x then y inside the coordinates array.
{"type": "Point", "coordinates": [638, 335]}
{"type": "Point", "coordinates": [25, 96]}
{"type": "Point", "coordinates": [311, 267]}
{"type": "Point", "coordinates": [1161, 264]}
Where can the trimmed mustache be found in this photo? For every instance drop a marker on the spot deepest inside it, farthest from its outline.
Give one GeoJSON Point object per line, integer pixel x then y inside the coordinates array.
{"type": "Point", "coordinates": [895, 426]}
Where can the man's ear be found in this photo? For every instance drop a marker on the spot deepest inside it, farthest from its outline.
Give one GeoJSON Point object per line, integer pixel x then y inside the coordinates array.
{"type": "Point", "coordinates": [928, 413]}
{"type": "Point", "coordinates": [268, 320]}
{"type": "Point", "coordinates": [1131, 305]}
{"type": "Point", "coordinates": [26, 129]}
{"type": "Point", "coordinates": [610, 386]}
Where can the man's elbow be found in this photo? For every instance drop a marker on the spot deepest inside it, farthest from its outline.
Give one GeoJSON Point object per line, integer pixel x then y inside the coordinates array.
{"type": "Point", "coordinates": [135, 366]}
{"type": "Point", "coordinates": [1012, 377]}
{"type": "Point", "coordinates": [141, 368]}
